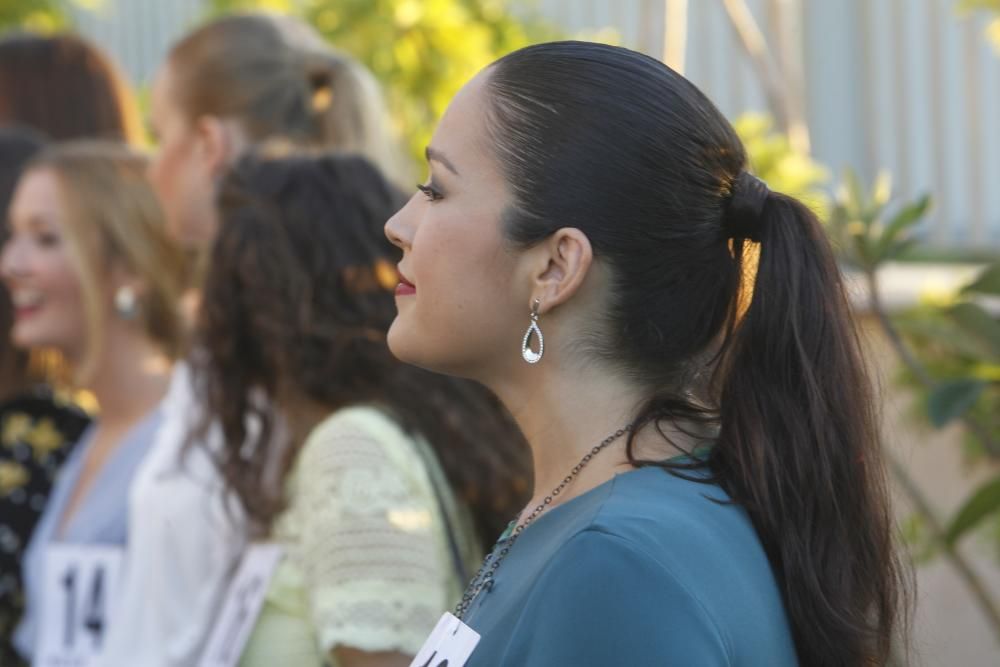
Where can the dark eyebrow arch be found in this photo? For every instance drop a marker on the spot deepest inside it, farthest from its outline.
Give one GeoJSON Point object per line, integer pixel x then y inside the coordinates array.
{"type": "Point", "coordinates": [438, 156]}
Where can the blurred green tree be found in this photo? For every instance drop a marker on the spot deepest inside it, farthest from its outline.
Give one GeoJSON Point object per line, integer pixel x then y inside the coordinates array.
{"type": "Point", "coordinates": [40, 15]}
{"type": "Point", "coordinates": [784, 168]}
{"type": "Point", "coordinates": [993, 29]}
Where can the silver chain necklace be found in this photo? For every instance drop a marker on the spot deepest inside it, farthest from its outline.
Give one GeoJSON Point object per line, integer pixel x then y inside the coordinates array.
{"type": "Point", "coordinates": [484, 577]}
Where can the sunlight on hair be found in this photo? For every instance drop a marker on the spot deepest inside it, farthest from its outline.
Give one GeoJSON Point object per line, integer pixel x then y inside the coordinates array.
{"type": "Point", "coordinates": [748, 279]}
{"type": "Point", "coordinates": [386, 274]}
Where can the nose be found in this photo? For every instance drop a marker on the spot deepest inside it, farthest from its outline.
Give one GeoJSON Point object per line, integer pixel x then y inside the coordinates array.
{"type": "Point", "coordinates": [12, 263]}
{"type": "Point", "coordinates": [399, 228]}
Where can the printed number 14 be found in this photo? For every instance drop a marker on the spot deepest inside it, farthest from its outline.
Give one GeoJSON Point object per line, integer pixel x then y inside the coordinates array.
{"type": "Point", "coordinates": [93, 616]}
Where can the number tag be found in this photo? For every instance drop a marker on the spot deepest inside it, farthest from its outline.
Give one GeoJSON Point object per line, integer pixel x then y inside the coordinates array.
{"type": "Point", "coordinates": [450, 644]}
{"type": "Point", "coordinates": [79, 588]}
{"type": "Point", "coordinates": [242, 605]}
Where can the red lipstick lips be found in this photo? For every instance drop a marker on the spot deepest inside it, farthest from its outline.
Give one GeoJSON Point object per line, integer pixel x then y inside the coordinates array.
{"type": "Point", "coordinates": [405, 287]}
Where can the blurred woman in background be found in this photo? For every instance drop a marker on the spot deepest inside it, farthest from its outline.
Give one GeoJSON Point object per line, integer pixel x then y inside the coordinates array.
{"type": "Point", "coordinates": [248, 78]}
{"type": "Point", "coordinates": [37, 429]}
{"type": "Point", "coordinates": [66, 88]}
{"type": "Point", "coordinates": [93, 275]}
{"type": "Point", "coordinates": [368, 471]}
{"type": "Point", "coordinates": [61, 87]}
{"type": "Point", "coordinates": [226, 86]}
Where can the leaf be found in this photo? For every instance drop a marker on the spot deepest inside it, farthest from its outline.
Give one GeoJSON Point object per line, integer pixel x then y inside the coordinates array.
{"type": "Point", "coordinates": [952, 398]}
{"type": "Point", "coordinates": [853, 194]}
{"type": "Point", "coordinates": [976, 321]}
{"type": "Point", "coordinates": [887, 248]}
{"type": "Point", "coordinates": [882, 190]}
{"type": "Point", "coordinates": [984, 501]}
{"type": "Point", "coordinates": [988, 281]}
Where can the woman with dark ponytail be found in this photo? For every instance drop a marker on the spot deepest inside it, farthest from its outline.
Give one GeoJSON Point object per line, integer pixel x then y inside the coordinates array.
{"type": "Point", "coordinates": [674, 340]}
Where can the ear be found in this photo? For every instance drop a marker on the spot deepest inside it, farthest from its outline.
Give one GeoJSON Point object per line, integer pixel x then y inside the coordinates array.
{"type": "Point", "coordinates": [119, 276]}
{"type": "Point", "coordinates": [560, 264]}
{"type": "Point", "coordinates": [215, 144]}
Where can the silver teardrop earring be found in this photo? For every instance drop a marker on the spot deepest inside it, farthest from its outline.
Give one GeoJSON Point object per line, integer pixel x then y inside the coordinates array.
{"type": "Point", "coordinates": [126, 303]}
{"type": "Point", "coordinates": [527, 353]}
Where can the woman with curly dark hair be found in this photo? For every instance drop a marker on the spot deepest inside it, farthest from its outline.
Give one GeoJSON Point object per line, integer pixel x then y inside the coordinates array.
{"type": "Point", "coordinates": [377, 477]}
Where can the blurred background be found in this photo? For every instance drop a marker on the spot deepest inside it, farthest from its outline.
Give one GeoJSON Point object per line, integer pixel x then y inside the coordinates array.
{"type": "Point", "coordinates": [883, 114]}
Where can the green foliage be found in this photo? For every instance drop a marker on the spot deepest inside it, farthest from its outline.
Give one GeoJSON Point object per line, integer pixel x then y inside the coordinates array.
{"type": "Point", "coordinates": [987, 283]}
{"type": "Point", "coordinates": [423, 51]}
{"type": "Point", "coordinates": [983, 503]}
{"type": "Point", "coordinates": [993, 6]}
{"type": "Point", "coordinates": [953, 398]}
{"type": "Point", "coordinates": [866, 226]}
{"type": "Point", "coordinates": [784, 169]}
{"type": "Point", "coordinates": [915, 533]}
{"type": "Point", "coordinates": [955, 338]}
{"type": "Point", "coordinates": [958, 341]}
{"type": "Point", "coordinates": [37, 15]}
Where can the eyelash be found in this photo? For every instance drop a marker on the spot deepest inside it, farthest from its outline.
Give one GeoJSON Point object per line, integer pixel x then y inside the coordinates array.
{"type": "Point", "coordinates": [429, 192]}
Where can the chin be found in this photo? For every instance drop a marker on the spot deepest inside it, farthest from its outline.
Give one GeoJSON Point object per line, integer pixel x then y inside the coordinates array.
{"type": "Point", "coordinates": [400, 344]}
{"type": "Point", "coordinates": [28, 337]}
{"type": "Point", "coordinates": [405, 346]}
{"type": "Point", "coordinates": [25, 340]}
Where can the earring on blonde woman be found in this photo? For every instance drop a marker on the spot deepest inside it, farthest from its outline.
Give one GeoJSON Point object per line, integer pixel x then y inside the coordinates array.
{"type": "Point", "coordinates": [126, 303]}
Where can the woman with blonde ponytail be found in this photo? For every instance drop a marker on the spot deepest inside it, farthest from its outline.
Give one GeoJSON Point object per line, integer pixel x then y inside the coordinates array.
{"type": "Point", "coordinates": [248, 79]}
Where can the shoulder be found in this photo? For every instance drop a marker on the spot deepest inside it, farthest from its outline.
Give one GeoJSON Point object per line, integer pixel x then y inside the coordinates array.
{"type": "Point", "coordinates": [357, 420]}
{"type": "Point", "coordinates": [682, 552]}
{"type": "Point", "coordinates": [604, 597]}
{"type": "Point", "coordinates": [679, 517]}
{"type": "Point", "coordinates": [363, 433]}
{"type": "Point", "coordinates": [365, 449]}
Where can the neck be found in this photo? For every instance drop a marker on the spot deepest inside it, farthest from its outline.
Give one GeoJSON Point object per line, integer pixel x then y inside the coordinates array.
{"type": "Point", "coordinates": [564, 411]}
{"type": "Point", "coordinates": [130, 378]}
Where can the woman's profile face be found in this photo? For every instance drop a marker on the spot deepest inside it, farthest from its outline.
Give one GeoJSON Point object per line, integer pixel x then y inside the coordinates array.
{"type": "Point", "coordinates": [38, 270]}
{"type": "Point", "coordinates": [462, 308]}
{"type": "Point", "coordinates": [178, 171]}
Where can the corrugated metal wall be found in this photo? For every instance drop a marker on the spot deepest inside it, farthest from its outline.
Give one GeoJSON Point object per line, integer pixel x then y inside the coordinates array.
{"type": "Point", "coordinates": [904, 85]}
{"type": "Point", "coordinates": [136, 32]}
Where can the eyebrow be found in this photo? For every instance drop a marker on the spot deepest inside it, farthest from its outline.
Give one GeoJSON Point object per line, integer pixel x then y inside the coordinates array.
{"type": "Point", "coordinates": [438, 156]}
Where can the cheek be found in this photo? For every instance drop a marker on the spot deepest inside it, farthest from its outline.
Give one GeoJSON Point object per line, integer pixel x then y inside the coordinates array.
{"type": "Point", "coordinates": [177, 182]}
{"type": "Point", "coordinates": [61, 321]}
{"type": "Point", "coordinates": [461, 317]}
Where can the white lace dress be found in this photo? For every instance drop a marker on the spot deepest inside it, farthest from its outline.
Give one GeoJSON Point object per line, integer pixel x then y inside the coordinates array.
{"type": "Point", "coordinates": [368, 563]}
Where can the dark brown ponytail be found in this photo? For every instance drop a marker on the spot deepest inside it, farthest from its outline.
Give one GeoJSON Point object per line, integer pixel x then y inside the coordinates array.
{"type": "Point", "coordinates": [799, 444]}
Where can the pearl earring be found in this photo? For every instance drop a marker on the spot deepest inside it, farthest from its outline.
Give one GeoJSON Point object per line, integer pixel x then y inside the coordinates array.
{"type": "Point", "coordinates": [126, 302]}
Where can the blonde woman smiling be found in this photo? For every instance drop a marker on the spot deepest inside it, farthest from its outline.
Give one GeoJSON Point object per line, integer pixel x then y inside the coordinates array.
{"type": "Point", "coordinates": [93, 275]}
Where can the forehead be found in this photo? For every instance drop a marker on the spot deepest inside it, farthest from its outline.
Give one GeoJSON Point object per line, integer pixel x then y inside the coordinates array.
{"type": "Point", "coordinates": [461, 133]}
{"type": "Point", "coordinates": [37, 193]}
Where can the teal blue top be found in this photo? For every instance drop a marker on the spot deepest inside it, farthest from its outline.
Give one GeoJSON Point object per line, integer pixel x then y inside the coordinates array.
{"type": "Point", "coordinates": [646, 569]}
